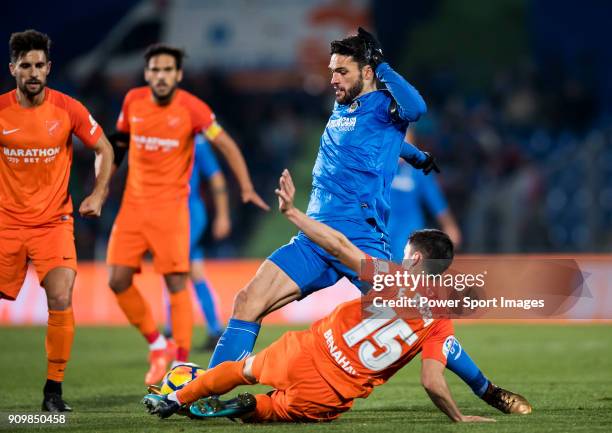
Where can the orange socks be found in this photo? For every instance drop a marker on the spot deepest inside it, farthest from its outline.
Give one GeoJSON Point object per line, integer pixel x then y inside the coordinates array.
{"type": "Point", "coordinates": [182, 323]}
{"type": "Point", "coordinates": [138, 312]}
{"type": "Point", "coordinates": [60, 333]}
{"type": "Point", "coordinates": [216, 381]}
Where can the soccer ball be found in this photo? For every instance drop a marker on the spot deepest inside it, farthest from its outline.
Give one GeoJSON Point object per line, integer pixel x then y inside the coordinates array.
{"type": "Point", "coordinates": [180, 376]}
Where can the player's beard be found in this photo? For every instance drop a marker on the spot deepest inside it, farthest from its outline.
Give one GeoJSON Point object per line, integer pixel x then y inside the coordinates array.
{"type": "Point", "coordinates": [352, 92]}
{"type": "Point", "coordinates": [163, 99]}
{"type": "Point", "coordinates": [29, 93]}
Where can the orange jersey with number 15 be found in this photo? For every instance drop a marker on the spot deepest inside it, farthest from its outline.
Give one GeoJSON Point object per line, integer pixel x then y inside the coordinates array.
{"type": "Point", "coordinates": [161, 148]}
{"type": "Point", "coordinates": [361, 345]}
{"type": "Point", "coordinates": [36, 154]}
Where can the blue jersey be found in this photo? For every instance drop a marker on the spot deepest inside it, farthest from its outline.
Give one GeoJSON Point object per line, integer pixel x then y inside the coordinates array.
{"type": "Point", "coordinates": [205, 165]}
{"type": "Point", "coordinates": [359, 150]}
{"type": "Point", "coordinates": [412, 192]}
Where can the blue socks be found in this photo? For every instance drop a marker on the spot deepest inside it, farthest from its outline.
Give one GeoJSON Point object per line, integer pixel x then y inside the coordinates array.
{"type": "Point", "coordinates": [236, 343]}
{"type": "Point", "coordinates": [460, 363]}
{"type": "Point", "coordinates": [207, 304]}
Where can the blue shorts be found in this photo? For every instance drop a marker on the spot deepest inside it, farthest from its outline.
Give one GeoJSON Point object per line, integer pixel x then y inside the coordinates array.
{"type": "Point", "coordinates": [197, 226]}
{"type": "Point", "coordinates": [313, 269]}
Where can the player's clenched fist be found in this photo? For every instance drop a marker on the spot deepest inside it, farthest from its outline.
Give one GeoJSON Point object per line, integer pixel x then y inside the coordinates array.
{"type": "Point", "coordinates": [285, 192]}
{"type": "Point", "coordinates": [91, 206]}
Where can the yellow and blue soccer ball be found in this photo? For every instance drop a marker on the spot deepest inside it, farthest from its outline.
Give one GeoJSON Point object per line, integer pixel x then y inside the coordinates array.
{"type": "Point", "coordinates": [179, 376]}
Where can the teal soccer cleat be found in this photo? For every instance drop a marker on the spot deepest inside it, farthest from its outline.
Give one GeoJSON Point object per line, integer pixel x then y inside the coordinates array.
{"type": "Point", "coordinates": [212, 407]}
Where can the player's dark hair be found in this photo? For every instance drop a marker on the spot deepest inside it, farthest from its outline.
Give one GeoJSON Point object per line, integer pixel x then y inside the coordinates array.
{"type": "Point", "coordinates": [436, 247]}
{"type": "Point", "coordinates": [21, 43]}
{"type": "Point", "coordinates": [352, 46]}
{"type": "Point", "coordinates": [157, 49]}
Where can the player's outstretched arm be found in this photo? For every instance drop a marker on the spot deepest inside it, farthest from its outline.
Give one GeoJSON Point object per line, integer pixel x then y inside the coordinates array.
{"type": "Point", "coordinates": [228, 147]}
{"type": "Point", "coordinates": [222, 225]}
{"type": "Point", "coordinates": [332, 241]}
{"type": "Point", "coordinates": [91, 206]}
{"type": "Point", "coordinates": [432, 379]}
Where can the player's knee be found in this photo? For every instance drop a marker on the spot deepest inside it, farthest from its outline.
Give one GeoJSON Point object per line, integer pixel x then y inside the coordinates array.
{"type": "Point", "coordinates": [59, 301]}
{"type": "Point", "coordinates": [119, 283]}
{"type": "Point", "coordinates": [176, 282]}
{"type": "Point", "coordinates": [246, 306]}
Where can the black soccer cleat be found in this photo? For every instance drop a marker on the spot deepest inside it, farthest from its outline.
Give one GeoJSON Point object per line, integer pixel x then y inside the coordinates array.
{"type": "Point", "coordinates": [53, 402]}
{"type": "Point", "coordinates": [209, 345]}
{"type": "Point", "coordinates": [212, 407]}
{"type": "Point", "coordinates": [506, 401]}
{"type": "Point", "coordinates": [160, 405]}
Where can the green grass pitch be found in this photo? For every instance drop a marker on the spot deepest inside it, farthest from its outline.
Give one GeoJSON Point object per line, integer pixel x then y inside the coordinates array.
{"type": "Point", "coordinates": [565, 371]}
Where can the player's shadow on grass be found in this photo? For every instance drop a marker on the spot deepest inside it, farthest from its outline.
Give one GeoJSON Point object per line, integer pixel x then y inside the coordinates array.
{"type": "Point", "coordinates": [107, 401]}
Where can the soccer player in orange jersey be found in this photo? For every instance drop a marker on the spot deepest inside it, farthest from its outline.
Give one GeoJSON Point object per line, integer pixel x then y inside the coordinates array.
{"type": "Point", "coordinates": [159, 121]}
{"type": "Point", "coordinates": [36, 220]}
{"type": "Point", "coordinates": [319, 373]}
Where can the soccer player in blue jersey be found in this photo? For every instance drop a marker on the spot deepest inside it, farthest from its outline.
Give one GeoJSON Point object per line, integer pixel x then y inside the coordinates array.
{"type": "Point", "coordinates": [358, 154]}
{"type": "Point", "coordinates": [413, 193]}
{"type": "Point", "coordinates": [205, 167]}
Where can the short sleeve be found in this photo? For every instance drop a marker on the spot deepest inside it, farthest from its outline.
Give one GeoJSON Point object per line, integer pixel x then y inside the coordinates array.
{"type": "Point", "coordinates": [438, 343]}
{"type": "Point", "coordinates": [205, 158]}
{"type": "Point", "coordinates": [372, 266]}
{"type": "Point", "coordinates": [202, 118]}
{"type": "Point", "coordinates": [123, 122]}
{"type": "Point", "coordinates": [84, 125]}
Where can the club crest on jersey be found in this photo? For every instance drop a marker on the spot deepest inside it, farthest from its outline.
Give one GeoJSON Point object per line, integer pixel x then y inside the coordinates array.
{"type": "Point", "coordinates": [451, 347]}
{"type": "Point", "coordinates": [52, 126]}
{"type": "Point", "coordinates": [173, 121]}
{"type": "Point", "coordinates": [354, 106]}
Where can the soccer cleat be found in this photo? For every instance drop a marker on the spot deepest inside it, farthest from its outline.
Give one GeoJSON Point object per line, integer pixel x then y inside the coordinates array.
{"type": "Point", "coordinates": [158, 365]}
{"type": "Point", "coordinates": [212, 407]}
{"type": "Point", "coordinates": [506, 401]}
{"type": "Point", "coordinates": [171, 350]}
{"type": "Point", "coordinates": [54, 403]}
{"type": "Point", "coordinates": [154, 389]}
{"type": "Point", "coordinates": [160, 405]}
{"type": "Point", "coordinates": [209, 345]}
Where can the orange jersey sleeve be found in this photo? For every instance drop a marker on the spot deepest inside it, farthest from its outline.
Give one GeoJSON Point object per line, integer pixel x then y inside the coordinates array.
{"type": "Point", "coordinates": [84, 125]}
{"type": "Point", "coordinates": [202, 117]}
{"type": "Point", "coordinates": [36, 155]}
{"type": "Point", "coordinates": [123, 121]}
{"type": "Point", "coordinates": [439, 342]}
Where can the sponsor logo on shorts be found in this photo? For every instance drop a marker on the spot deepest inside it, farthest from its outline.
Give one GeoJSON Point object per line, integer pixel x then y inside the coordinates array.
{"type": "Point", "coordinates": [9, 131]}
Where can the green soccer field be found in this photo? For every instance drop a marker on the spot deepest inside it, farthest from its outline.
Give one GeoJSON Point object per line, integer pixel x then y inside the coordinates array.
{"type": "Point", "coordinates": [565, 371]}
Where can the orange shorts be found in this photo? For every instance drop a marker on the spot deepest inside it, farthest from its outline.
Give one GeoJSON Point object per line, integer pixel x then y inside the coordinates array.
{"type": "Point", "coordinates": [161, 229]}
{"type": "Point", "coordinates": [48, 247]}
{"type": "Point", "coordinates": [301, 394]}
